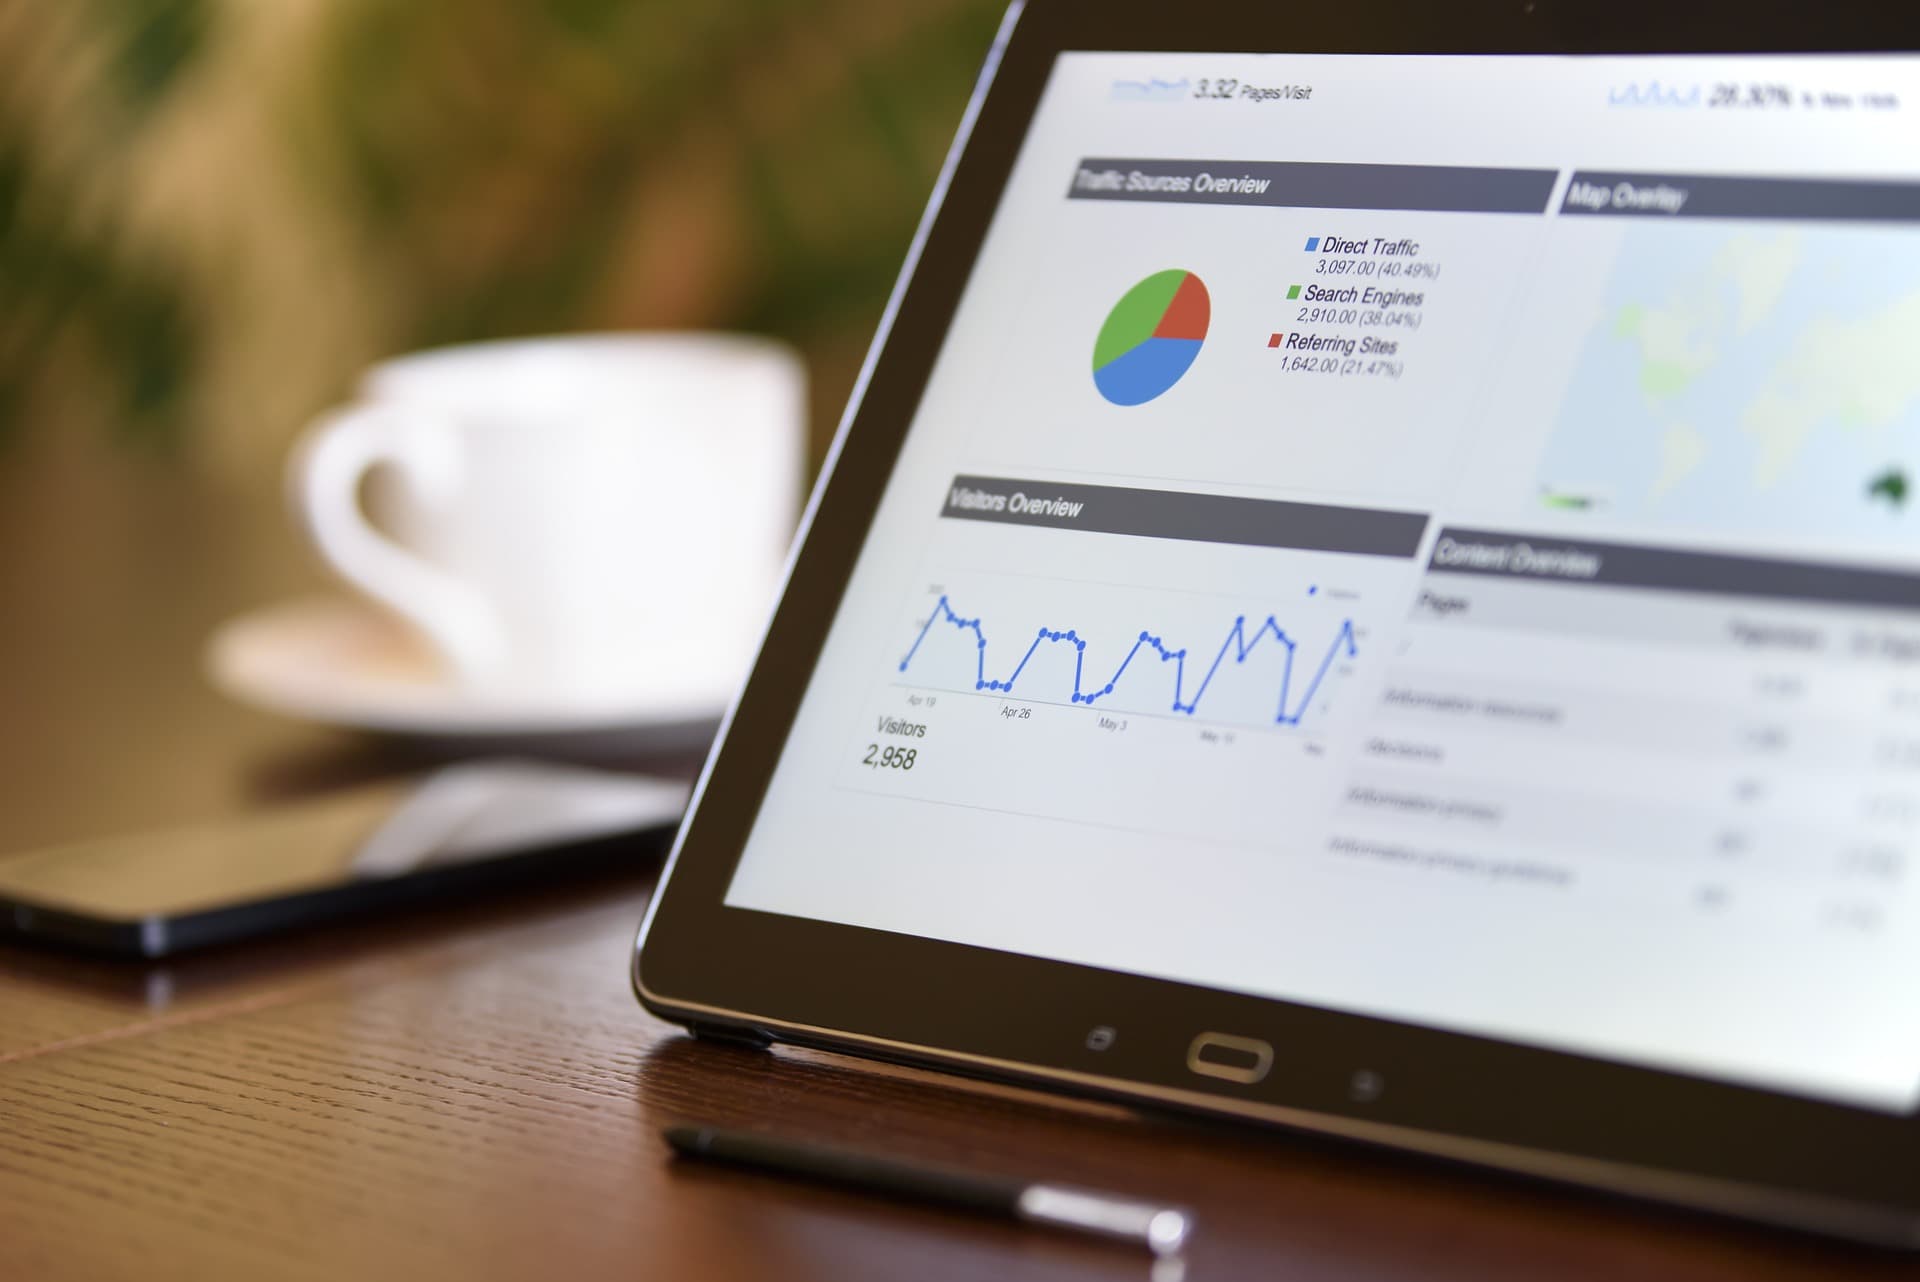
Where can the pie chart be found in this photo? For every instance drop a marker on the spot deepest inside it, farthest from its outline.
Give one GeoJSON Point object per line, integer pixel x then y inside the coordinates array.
{"type": "Point", "coordinates": [1150, 337]}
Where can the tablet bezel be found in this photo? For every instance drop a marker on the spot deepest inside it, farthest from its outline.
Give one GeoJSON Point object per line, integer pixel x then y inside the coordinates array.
{"type": "Point", "coordinates": [1746, 1151]}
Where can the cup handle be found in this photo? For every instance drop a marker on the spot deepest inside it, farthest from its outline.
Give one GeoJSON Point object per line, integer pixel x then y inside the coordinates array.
{"type": "Point", "coordinates": [326, 470]}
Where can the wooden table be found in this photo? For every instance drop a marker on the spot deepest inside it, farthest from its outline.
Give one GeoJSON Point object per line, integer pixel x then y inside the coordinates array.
{"type": "Point", "coordinates": [472, 1093]}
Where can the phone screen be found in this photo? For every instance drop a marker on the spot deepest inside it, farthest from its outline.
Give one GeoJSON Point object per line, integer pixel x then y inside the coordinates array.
{"type": "Point", "coordinates": [157, 892]}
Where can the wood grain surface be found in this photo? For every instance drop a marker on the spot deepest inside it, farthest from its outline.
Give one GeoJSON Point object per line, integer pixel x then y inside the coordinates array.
{"type": "Point", "coordinates": [476, 1095]}
{"type": "Point", "coordinates": [471, 1092]}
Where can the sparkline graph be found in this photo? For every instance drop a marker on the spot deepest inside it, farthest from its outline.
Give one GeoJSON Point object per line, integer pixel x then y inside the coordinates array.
{"type": "Point", "coordinates": [1238, 643]}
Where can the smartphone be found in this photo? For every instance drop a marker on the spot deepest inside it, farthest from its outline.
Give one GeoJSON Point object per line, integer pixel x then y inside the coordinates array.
{"type": "Point", "coordinates": [461, 828]}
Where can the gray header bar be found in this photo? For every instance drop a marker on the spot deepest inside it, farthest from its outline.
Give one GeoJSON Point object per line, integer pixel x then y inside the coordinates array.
{"type": "Point", "coordinates": [1622, 195]}
{"type": "Point", "coordinates": [1552, 560]}
{"type": "Point", "coordinates": [1201, 518]}
{"type": "Point", "coordinates": [1299, 185]}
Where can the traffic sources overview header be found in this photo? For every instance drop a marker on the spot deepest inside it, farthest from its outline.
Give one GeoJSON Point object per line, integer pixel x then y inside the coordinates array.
{"type": "Point", "coordinates": [1459, 189]}
{"type": "Point", "coordinates": [1302, 185]}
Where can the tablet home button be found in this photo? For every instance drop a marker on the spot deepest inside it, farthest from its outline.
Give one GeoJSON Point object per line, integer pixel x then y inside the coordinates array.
{"type": "Point", "coordinates": [1233, 1059]}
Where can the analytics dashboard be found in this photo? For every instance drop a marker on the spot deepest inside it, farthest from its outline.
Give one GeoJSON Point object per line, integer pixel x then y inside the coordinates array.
{"type": "Point", "coordinates": [1427, 537]}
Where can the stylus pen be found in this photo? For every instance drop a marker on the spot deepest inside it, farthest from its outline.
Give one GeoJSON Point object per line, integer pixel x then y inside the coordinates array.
{"type": "Point", "coordinates": [1161, 1229]}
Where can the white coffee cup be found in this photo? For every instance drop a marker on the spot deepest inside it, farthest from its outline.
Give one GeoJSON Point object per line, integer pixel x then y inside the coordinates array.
{"type": "Point", "coordinates": [570, 519]}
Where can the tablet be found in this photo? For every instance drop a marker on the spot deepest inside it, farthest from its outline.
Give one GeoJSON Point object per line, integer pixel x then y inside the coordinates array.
{"type": "Point", "coordinates": [1372, 583]}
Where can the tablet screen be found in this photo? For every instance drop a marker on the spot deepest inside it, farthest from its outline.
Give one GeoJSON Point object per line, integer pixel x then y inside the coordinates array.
{"type": "Point", "coordinates": [1433, 538]}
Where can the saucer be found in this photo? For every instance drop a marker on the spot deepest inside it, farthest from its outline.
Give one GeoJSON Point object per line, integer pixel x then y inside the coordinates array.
{"type": "Point", "coordinates": [343, 662]}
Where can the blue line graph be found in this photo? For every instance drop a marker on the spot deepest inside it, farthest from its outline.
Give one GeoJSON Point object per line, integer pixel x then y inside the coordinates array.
{"type": "Point", "coordinates": [1152, 89]}
{"type": "Point", "coordinates": [1652, 93]}
{"type": "Point", "coordinates": [1238, 643]}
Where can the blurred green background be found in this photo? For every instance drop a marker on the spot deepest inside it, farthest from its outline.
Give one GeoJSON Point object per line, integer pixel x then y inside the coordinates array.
{"type": "Point", "coordinates": [215, 213]}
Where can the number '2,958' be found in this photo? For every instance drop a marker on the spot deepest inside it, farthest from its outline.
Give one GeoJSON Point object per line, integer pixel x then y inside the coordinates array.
{"type": "Point", "coordinates": [889, 758]}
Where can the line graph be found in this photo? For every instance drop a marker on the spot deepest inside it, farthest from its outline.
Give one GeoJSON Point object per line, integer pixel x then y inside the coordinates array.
{"type": "Point", "coordinates": [1238, 643]}
{"type": "Point", "coordinates": [1653, 93]}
